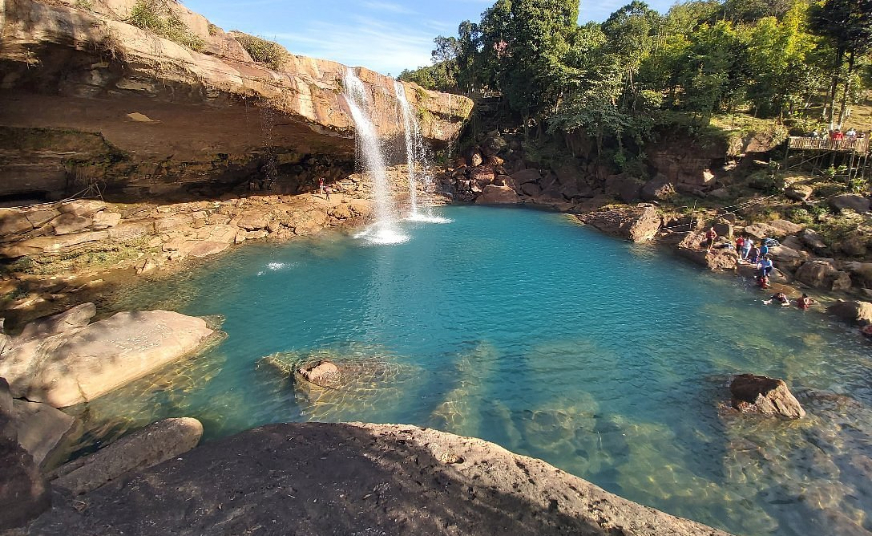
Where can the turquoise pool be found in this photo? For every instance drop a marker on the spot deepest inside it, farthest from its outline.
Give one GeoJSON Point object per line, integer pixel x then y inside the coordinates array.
{"type": "Point", "coordinates": [607, 359]}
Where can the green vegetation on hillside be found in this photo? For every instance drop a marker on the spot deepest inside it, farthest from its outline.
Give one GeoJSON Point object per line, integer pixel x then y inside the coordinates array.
{"type": "Point", "coordinates": [157, 16]}
{"type": "Point", "coordinates": [801, 63]}
{"type": "Point", "coordinates": [270, 53]}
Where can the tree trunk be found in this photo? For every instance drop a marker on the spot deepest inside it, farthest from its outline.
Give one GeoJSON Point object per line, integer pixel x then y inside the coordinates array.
{"type": "Point", "coordinates": [831, 94]}
{"type": "Point", "coordinates": [847, 90]}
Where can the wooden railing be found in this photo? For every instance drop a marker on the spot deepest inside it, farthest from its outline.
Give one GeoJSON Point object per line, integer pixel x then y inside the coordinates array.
{"type": "Point", "coordinates": [859, 145]}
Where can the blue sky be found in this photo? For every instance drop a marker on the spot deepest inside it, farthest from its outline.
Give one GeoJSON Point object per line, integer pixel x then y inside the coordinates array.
{"type": "Point", "coordinates": [384, 35]}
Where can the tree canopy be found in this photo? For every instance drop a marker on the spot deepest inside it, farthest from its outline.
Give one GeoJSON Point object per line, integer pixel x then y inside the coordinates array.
{"type": "Point", "coordinates": [619, 79]}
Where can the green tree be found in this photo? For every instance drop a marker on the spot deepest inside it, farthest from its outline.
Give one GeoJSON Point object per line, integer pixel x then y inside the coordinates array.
{"type": "Point", "coordinates": [526, 47]}
{"type": "Point", "coordinates": [631, 34]}
{"type": "Point", "coordinates": [714, 76]}
{"type": "Point", "coordinates": [778, 63]}
{"type": "Point", "coordinates": [846, 25]}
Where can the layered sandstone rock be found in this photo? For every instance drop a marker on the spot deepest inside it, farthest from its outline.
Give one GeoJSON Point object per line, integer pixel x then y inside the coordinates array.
{"type": "Point", "coordinates": [92, 101]}
{"type": "Point", "coordinates": [82, 363]}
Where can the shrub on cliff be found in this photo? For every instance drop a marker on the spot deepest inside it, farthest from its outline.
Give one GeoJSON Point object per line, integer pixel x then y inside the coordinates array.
{"type": "Point", "coordinates": [270, 53]}
{"type": "Point", "coordinates": [157, 16]}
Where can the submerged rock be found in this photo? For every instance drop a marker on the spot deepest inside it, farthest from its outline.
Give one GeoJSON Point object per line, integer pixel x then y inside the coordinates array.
{"type": "Point", "coordinates": [323, 374]}
{"type": "Point", "coordinates": [764, 395]}
{"type": "Point", "coordinates": [342, 385]}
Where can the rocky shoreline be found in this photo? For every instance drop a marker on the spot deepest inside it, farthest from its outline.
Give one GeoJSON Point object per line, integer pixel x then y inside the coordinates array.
{"type": "Point", "coordinates": [313, 478]}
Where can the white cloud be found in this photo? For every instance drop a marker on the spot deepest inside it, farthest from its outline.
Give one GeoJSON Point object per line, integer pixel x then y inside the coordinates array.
{"type": "Point", "coordinates": [388, 6]}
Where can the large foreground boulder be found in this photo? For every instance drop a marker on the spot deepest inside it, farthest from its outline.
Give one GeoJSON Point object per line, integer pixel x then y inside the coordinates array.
{"type": "Point", "coordinates": [318, 478]}
{"type": "Point", "coordinates": [764, 395]}
{"type": "Point", "coordinates": [146, 448]}
{"type": "Point", "coordinates": [822, 274]}
{"type": "Point", "coordinates": [78, 365]}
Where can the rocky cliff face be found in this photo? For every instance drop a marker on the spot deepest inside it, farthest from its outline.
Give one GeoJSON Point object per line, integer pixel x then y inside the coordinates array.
{"type": "Point", "coordinates": [90, 100]}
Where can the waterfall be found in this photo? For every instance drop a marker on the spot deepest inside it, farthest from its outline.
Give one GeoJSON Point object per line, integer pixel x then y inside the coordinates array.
{"type": "Point", "coordinates": [372, 161]}
{"type": "Point", "coordinates": [416, 157]}
{"type": "Point", "coordinates": [412, 136]}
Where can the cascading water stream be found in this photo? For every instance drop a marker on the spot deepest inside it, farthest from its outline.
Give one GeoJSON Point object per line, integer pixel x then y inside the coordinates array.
{"type": "Point", "coordinates": [416, 157]}
{"type": "Point", "coordinates": [411, 134]}
{"type": "Point", "coordinates": [369, 155]}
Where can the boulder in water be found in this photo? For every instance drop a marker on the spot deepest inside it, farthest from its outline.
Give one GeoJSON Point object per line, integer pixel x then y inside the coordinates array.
{"type": "Point", "coordinates": [764, 395]}
{"type": "Point", "coordinates": [322, 373]}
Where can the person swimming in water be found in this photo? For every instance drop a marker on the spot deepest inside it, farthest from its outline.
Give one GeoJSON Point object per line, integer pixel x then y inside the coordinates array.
{"type": "Point", "coordinates": [804, 302]}
{"type": "Point", "coordinates": [780, 297]}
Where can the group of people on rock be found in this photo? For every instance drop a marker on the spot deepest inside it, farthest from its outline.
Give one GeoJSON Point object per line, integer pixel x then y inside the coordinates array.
{"type": "Point", "coordinates": [759, 256]}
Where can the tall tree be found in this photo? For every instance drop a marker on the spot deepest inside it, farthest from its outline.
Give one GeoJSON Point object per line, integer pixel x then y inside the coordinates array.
{"type": "Point", "coordinates": [631, 34]}
{"type": "Point", "coordinates": [847, 26]}
{"type": "Point", "coordinates": [526, 45]}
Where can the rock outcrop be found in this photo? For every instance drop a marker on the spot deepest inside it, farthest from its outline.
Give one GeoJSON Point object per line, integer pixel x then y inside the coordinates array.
{"type": "Point", "coordinates": [91, 101]}
{"type": "Point", "coordinates": [764, 395]}
{"type": "Point", "coordinates": [314, 478]}
{"type": "Point", "coordinates": [145, 448]}
{"type": "Point", "coordinates": [639, 223]}
{"type": "Point", "coordinates": [80, 364]}
{"type": "Point", "coordinates": [853, 312]}
{"type": "Point", "coordinates": [24, 492]}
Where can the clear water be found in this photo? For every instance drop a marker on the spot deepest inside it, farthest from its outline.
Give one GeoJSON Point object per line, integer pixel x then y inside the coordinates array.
{"type": "Point", "coordinates": [607, 359]}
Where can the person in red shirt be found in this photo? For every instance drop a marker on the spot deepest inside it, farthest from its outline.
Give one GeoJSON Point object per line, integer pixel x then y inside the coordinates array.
{"type": "Point", "coordinates": [710, 237]}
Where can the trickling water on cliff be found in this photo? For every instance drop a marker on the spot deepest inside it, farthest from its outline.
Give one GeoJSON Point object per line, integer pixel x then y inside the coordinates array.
{"type": "Point", "coordinates": [370, 159]}
{"type": "Point", "coordinates": [416, 157]}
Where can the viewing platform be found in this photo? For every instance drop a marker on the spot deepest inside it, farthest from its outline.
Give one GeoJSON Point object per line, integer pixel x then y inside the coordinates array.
{"type": "Point", "coordinates": [803, 143]}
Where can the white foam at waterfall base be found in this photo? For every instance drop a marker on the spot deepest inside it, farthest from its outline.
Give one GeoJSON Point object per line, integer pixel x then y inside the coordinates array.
{"type": "Point", "coordinates": [382, 236]}
{"type": "Point", "coordinates": [371, 159]}
{"type": "Point", "coordinates": [427, 218]}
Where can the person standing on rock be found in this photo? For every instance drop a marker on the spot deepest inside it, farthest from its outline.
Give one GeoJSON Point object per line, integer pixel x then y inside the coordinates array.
{"type": "Point", "coordinates": [321, 185]}
{"type": "Point", "coordinates": [710, 237]}
{"type": "Point", "coordinates": [746, 248]}
{"type": "Point", "coordinates": [327, 192]}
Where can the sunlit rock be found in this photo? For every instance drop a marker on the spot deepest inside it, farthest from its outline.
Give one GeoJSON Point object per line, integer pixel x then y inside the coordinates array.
{"type": "Point", "coordinates": [764, 395]}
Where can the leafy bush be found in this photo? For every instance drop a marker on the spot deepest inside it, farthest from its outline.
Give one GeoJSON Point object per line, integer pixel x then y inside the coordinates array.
{"type": "Point", "coordinates": [800, 215]}
{"type": "Point", "coordinates": [157, 16]}
{"type": "Point", "coordinates": [270, 53]}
